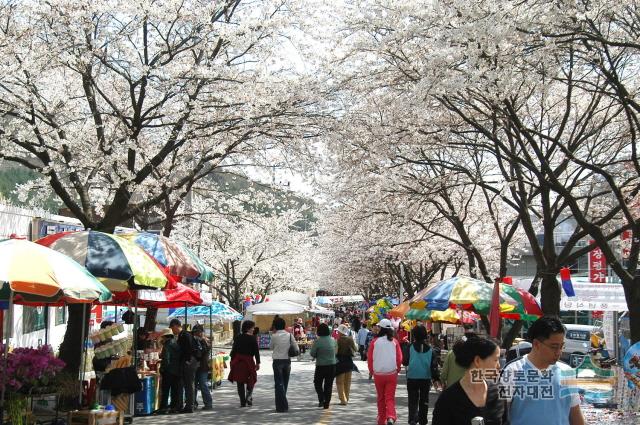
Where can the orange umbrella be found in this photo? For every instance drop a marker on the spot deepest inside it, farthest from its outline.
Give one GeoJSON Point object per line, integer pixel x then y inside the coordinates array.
{"type": "Point", "coordinates": [400, 310]}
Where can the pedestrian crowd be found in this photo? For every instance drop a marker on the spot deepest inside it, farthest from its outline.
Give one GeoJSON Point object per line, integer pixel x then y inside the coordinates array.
{"type": "Point", "coordinates": [532, 389]}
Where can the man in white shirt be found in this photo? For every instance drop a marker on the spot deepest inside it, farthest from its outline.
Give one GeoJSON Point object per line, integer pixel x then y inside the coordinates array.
{"type": "Point", "coordinates": [361, 339]}
{"type": "Point", "coordinates": [540, 389]}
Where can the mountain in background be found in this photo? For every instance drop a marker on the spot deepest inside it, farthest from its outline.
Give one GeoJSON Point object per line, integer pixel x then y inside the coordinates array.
{"type": "Point", "coordinates": [227, 184]}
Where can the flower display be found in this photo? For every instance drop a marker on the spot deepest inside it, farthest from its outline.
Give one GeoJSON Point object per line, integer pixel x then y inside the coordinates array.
{"type": "Point", "coordinates": [29, 368]}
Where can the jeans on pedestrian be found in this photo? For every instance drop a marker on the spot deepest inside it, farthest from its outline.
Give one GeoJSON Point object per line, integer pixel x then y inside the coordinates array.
{"type": "Point", "coordinates": [323, 382]}
{"type": "Point", "coordinates": [170, 384]}
{"type": "Point", "coordinates": [188, 378]}
{"type": "Point", "coordinates": [386, 396]}
{"type": "Point", "coordinates": [281, 372]}
{"type": "Point", "coordinates": [418, 390]}
{"type": "Point", "coordinates": [201, 384]}
{"type": "Point", "coordinates": [363, 353]}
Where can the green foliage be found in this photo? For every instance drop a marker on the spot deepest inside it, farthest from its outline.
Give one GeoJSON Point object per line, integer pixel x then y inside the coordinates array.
{"type": "Point", "coordinates": [11, 176]}
{"type": "Point", "coordinates": [230, 185]}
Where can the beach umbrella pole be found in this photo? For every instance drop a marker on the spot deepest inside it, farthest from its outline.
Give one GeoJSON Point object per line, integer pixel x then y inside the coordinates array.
{"type": "Point", "coordinates": [211, 341]}
{"type": "Point", "coordinates": [46, 324]}
{"type": "Point", "coordinates": [5, 353]}
{"type": "Point", "coordinates": [83, 349]}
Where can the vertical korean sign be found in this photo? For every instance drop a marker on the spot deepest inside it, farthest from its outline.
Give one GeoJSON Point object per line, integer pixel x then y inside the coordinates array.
{"type": "Point", "coordinates": [626, 243]}
{"type": "Point", "coordinates": [597, 265]}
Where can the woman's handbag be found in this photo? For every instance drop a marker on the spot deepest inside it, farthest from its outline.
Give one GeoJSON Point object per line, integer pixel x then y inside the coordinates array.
{"type": "Point", "coordinates": [294, 351]}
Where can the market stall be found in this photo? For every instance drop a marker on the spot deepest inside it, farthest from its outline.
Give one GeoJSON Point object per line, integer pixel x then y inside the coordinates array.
{"type": "Point", "coordinates": [30, 273]}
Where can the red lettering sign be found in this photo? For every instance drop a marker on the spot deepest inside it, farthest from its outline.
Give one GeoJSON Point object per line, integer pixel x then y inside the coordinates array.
{"type": "Point", "coordinates": [96, 313]}
{"type": "Point", "coordinates": [626, 243]}
{"type": "Point", "coordinates": [597, 265]}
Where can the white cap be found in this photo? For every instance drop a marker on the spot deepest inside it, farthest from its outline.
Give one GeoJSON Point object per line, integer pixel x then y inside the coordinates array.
{"type": "Point", "coordinates": [385, 323]}
{"type": "Point", "coordinates": [344, 330]}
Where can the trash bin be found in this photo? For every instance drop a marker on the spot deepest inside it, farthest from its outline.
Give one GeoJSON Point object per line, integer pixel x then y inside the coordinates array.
{"type": "Point", "coordinates": [145, 400]}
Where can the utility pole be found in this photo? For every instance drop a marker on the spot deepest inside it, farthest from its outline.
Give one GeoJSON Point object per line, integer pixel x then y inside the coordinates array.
{"type": "Point", "coordinates": [402, 274]}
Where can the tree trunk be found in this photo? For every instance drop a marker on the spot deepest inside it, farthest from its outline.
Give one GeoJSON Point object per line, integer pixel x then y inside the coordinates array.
{"type": "Point", "coordinates": [550, 294]}
{"type": "Point", "coordinates": [512, 334]}
{"type": "Point", "coordinates": [150, 319]}
{"type": "Point", "coordinates": [72, 345]}
{"type": "Point", "coordinates": [632, 294]}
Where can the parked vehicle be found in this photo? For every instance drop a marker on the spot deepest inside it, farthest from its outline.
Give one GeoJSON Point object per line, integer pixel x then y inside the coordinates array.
{"type": "Point", "coordinates": [577, 340]}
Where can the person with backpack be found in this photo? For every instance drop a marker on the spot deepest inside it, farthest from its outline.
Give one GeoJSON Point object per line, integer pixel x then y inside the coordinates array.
{"type": "Point", "coordinates": [421, 368]}
{"type": "Point", "coordinates": [203, 351]}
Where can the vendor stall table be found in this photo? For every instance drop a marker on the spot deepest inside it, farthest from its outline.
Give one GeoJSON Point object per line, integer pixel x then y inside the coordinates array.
{"type": "Point", "coordinates": [90, 417]}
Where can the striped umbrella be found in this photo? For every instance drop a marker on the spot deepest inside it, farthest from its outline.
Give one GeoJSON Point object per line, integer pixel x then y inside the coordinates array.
{"type": "Point", "coordinates": [36, 274]}
{"type": "Point", "coordinates": [447, 316]}
{"type": "Point", "coordinates": [179, 260]}
{"type": "Point", "coordinates": [168, 253]}
{"type": "Point", "coordinates": [114, 260]}
{"type": "Point", "coordinates": [527, 307]}
{"type": "Point", "coordinates": [206, 273]}
{"type": "Point", "coordinates": [460, 293]}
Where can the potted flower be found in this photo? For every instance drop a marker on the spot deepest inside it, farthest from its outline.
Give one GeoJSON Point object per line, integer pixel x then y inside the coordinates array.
{"type": "Point", "coordinates": [28, 370]}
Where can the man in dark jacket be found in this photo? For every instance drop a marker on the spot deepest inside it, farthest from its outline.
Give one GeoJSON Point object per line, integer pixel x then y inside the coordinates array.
{"type": "Point", "coordinates": [171, 373]}
{"type": "Point", "coordinates": [188, 354]}
{"type": "Point", "coordinates": [203, 367]}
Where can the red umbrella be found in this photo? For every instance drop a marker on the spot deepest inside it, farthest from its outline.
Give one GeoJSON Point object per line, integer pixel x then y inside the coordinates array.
{"type": "Point", "coordinates": [169, 298]}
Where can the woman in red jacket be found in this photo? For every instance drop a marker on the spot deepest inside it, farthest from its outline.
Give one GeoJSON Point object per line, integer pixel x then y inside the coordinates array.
{"type": "Point", "coordinates": [385, 360]}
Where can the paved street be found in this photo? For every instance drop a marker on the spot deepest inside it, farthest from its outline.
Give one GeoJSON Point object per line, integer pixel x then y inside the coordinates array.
{"type": "Point", "coordinates": [302, 401]}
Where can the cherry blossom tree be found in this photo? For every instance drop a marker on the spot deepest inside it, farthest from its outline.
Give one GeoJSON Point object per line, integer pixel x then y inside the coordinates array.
{"type": "Point", "coordinates": [121, 106]}
{"type": "Point", "coordinates": [251, 250]}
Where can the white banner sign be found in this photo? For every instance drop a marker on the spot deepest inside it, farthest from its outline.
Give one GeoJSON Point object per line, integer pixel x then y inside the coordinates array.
{"type": "Point", "coordinates": [595, 296]}
{"type": "Point", "coordinates": [608, 320]}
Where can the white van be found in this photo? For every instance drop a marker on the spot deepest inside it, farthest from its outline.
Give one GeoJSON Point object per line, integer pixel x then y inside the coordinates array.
{"type": "Point", "coordinates": [577, 340]}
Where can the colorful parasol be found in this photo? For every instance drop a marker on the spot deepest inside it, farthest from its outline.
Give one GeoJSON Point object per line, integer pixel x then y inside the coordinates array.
{"type": "Point", "coordinates": [400, 310]}
{"type": "Point", "coordinates": [217, 310]}
{"type": "Point", "coordinates": [167, 252]}
{"type": "Point", "coordinates": [37, 274]}
{"type": "Point", "coordinates": [205, 272]}
{"type": "Point", "coordinates": [460, 293]}
{"type": "Point", "coordinates": [527, 307]}
{"type": "Point", "coordinates": [114, 260]}
{"type": "Point", "coordinates": [447, 316]}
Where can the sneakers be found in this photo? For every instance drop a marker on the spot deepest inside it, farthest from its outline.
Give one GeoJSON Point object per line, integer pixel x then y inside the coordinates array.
{"type": "Point", "coordinates": [390, 421]}
{"type": "Point", "coordinates": [207, 408]}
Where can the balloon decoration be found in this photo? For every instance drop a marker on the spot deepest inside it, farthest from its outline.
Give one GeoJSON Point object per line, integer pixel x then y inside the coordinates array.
{"type": "Point", "coordinates": [380, 310]}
